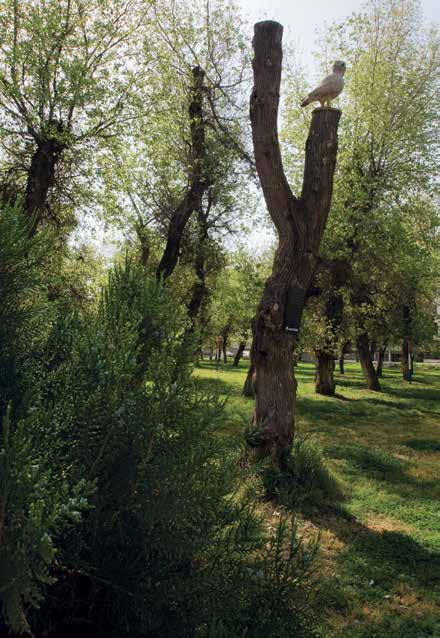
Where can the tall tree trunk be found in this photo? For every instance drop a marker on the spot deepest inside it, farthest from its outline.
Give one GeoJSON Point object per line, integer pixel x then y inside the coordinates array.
{"type": "Point", "coordinates": [300, 224]}
{"type": "Point", "coordinates": [345, 350]}
{"type": "Point", "coordinates": [325, 383]}
{"type": "Point", "coordinates": [41, 178]}
{"type": "Point", "coordinates": [239, 353]}
{"type": "Point", "coordinates": [407, 360]}
{"type": "Point", "coordinates": [363, 348]}
{"type": "Point", "coordinates": [248, 388]}
{"type": "Point", "coordinates": [198, 181]}
{"type": "Point", "coordinates": [380, 360]}
{"type": "Point", "coordinates": [406, 343]}
{"type": "Point", "coordinates": [225, 335]}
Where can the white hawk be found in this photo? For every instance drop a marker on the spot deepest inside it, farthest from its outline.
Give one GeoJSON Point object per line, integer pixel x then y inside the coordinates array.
{"type": "Point", "coordinates": [329, 88]}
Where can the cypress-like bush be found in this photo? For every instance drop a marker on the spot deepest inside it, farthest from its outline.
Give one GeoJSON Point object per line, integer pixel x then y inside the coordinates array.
{"type": "Point", "coordinates": [119, 507]}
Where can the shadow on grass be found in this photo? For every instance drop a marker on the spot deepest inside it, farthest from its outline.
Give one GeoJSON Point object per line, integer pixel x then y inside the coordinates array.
{"type": "Point", "coordinates": [383, 557]}
{"type": "Point", "coordinates": [423, 445]}
{"type": "Point", "coordinates": [216, 385]}
{"type": "Point", "coordinates": [382, 466]}
{"type": "Point", "coordinates": [392, 624]}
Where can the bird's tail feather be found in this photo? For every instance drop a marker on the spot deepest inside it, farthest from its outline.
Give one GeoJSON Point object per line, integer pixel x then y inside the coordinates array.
{"type": "Point", "coordinates": [305, 102]}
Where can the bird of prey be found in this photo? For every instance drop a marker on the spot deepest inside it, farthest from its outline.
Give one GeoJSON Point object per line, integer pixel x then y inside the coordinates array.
{"type": "Point", "coordinates": [329, 88]}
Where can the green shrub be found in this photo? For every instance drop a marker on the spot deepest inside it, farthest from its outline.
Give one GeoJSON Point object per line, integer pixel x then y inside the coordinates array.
{"type": "Point", "coordinates": [307, 481]}
{"type": "Point", "coordinates": [33, 505]}
{"type": "Point", "coordinates": [134, 524]}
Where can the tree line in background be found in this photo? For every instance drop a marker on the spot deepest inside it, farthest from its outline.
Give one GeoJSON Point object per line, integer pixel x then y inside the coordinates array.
{"type": "Point", "coordinates": [117, 500]}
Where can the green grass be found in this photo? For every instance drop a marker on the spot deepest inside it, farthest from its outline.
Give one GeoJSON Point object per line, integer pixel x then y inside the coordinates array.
{"type": "Point", "coordinates": [380, 552]}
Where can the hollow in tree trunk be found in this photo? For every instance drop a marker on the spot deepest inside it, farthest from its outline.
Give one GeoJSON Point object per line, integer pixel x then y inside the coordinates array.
{"type": "Point", "coordinates": [239, 353]}
{"type": "Point", "coordinates": [325, 382]}
{"type": "Point", "coordinates": [300, 224]}
{"type": "Point", "coordinates": [363, 348]}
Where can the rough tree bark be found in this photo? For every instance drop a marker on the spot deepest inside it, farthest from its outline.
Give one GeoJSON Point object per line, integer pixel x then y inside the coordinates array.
{"type": "Point", "coordinates": [198, 182]}
{"type": "Point", "coordinates": [41, 178]}
{"type": "Point", "coordinates": [239, 353]}
{"type": "Point", "coordinates": [325, 381]}
{"type": "Point", "coordinates": [300, 224]}
{"type": "Point", "coordinates": [363, 348]}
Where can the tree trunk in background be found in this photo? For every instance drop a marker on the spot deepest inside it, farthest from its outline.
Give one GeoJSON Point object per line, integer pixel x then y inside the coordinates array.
{"type": "Point", "coordinates": [198, 182]}
{"type": "Point", "coordinates": [300, 224]}
{"type": "Point", "coordinates": [345, 350]}
{"type": "Point", "coordinates": [406, 343]}
{"type": "Point", "coordinates": [225, 335]}
{"type": "Point", "coordinates": [373, 349]}
{"type": "Point", "coordinates": [325, 383]}
{"type": "Point", "coordinates": [248, 388]}
{"type": "Point", "coordinates": [41, 178]}
{"type": "Point", "coordinates": [341, 364]}
{"type": "Point", "coordinates": [339, 271]}
{"type": "Point", "coordinates": [406, 364]}
{"type": "Point", "coordinates": [380, 360]}
{"type": "Point", "coordinates": [239, 353]}
{"type": "Point", "coordinates": [363, 348]}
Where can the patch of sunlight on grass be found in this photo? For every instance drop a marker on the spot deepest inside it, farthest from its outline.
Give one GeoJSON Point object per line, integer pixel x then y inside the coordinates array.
{"type": "Point", "coordinates": [380, 551]}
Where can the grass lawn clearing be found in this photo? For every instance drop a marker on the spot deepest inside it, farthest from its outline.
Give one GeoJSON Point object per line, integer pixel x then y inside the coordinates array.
{"type": "Point", "coordinates": [379, 557]}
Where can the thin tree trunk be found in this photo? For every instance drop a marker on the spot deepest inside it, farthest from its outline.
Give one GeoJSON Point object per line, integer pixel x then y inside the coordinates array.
{"type": "Point", "coordinates": [373, 349]}
{"type": "Point", "coordinates": [198, 181]}
{"type": "Point", "coordinates": [380, 360]}
{"type": "Point", "coordinates": [363, 348]}
{"type": "Point", "coordinates": [225, 335]}
{"type": "Point", "coordinates": [248, 388]}
{"type": "Point", "coordinates": [239, 353]}
{"type": "Point", "coordinates": [406, 360]}
{"type": "Point", "coordinates": [300, 224]}
{"type": "Point", "coordinates": [325, 382]}
{"type": "Point", "coordinates": [341, 364]}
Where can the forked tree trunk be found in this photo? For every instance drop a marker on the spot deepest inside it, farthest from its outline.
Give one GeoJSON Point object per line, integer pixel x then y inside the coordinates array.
{"type": "Point", "coordinates": [239, 353]}
{"type": "Point", "coordinates": [198, 181]}
{"type": "Point", "coordinates": [363, 348]}
{"type": "Point", "coordinates": [300, 224]}
{"type": "Point", "coordinates": [325, 382]}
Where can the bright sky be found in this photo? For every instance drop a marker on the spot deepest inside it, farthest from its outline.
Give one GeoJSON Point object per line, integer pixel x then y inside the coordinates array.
{"type": "Point", "coordinates": [301, 18]}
